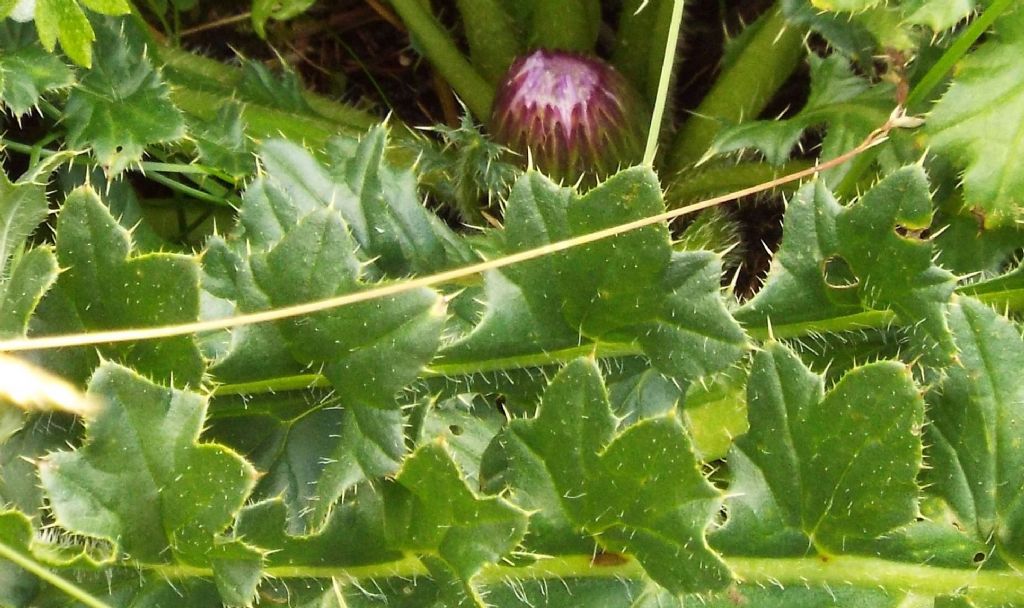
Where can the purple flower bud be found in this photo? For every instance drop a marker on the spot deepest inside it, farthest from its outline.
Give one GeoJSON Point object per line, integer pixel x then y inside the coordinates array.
{"type": "Point", "coordinates": [575, 114]}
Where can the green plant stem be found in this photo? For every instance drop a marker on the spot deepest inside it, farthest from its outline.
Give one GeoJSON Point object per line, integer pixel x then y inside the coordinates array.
{"type": "Point", "coordinates": [491, 34]}
{"type": "Point", "coordinates": [571, 25]}
{"type": "Point", "coordinates": [924, 88]}
{"type": "Point", "coordinates": [440, 49]}
{"type": "Point", "coordinates": [1009, 298]}
{"type": "Point", "coordinates": [1006, 587]}
{"type": "Point", "coordinates": [743, 89]}
{"type": "Point", "coordinates": [30, 565]}
{"type": "Point", "coordinates": [191, 71]}
{"type": "Point", "coordinates": [665, 78]}
{"type": "Point", "coordinates": [187, 190]}
{"type": "Point", "coordinates": [640, 43]}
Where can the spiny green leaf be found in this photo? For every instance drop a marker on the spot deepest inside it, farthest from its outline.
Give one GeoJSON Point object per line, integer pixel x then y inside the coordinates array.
{"type": "Point", "coordinates": [110, 288]}
{"type": "Point", "coordinates": [27, 71]}
{"type": "Point", "coordinates": [23, 207]}
{"type": "Point", "coordinates": [122, 105]}
{"type": "Point", "coordinates": [842, 465]}
{"type": "Point", "coordinates": [891, 24]}
{"type": "Point", "coordinates": [355, 534]}
{"type": "Point", "coordinates": [24, 277]}
{"type": "Point", "coordinates": [977, 430]}
{"type": "Point", "coordinates": [637, 492]}
{"type": "Point", "coordinates": [378, 202]}
{"type": "Point", "coordinates": [877, 238]}
{"type": "Point", "coordinates": [367, 363]}
{"type": "Point", "coordinates": [313, 453]}
{"type": "Point", "coordinates": [837, 261]}
{"type": "Point", "coordinates": [848, 104]}
{"type": "Point", "coordinates": [629, 289]}
{"type": "Point", "coordinates": [143, 481]}
{"type": "Point", "coordinates": [442, 519]}
{"type": "Point", "coordinates": [222, 142]}
{"type": "Point", "coordinates": [977, 125]}
{"type": "Point", "coordinates": [596, 298]}
{"type": "Point", "coordinates": [30, 279]}
{"type": "Point", "coordinates": [250, 352]}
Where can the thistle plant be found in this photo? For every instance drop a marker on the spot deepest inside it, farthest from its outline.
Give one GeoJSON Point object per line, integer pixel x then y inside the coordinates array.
{"type": "Point", "coordinates": [290, 377]}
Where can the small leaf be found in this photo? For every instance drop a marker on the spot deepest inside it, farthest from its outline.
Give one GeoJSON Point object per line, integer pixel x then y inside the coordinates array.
{"type": "Point", "coordinates": [122, 106]}
{"type": "Point", "coordinates": [837, 261]}
{"type": "Point", "coordinates": [368, 192]}
{"type": "Point", "coordinates": [29, 280]}
{"type": "Point", "coordinates": [278, 10]}
{"type": "Point", "coordinates": [876, 237]}
{"type": "Point", "coordinates": [64, 20]}
{"type": "Point", "coordinates": [27, 71]}
{"type": "Point", "coordinates": [142, 480]}
{"type": "Point", "coordinates": [222, 142]}
{"type": "Point", "coordinates": [23, 208]}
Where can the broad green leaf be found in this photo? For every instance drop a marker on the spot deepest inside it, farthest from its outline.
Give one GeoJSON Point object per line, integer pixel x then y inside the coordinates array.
{"type": "Point", "coordinates": [367, 362]}
{"type": "Point", "coordinates": [121, 106]}
{"type": "Point", "coordinates": [977, 429]}
{"type": "Point", "coordinates": [631, 289]}
{"type": "Point", "coordinates": [355, 534]}
{"type": "Point", "coordinates": [600, 287]}
{"type": "Point", "coordinates": [27, 71]}
{"type": "Point", "coordinates": [250, 352]}
{"type": "Point", "coordinates": [378, 202]}
{"type": "Point", "coordinates": [311, 454]}
{"type": "Point", "coordinates": [440, 518]}
{"type": "Point", "coordinates": [110, 288]}
{"type": "Point", "coordinates": [841, 465]}
{"type": "Point", "coordinates": [143, 481]}
{"type": "Point", "coordinates": [638, 492]}
{"type": "Point", "coordinates": [975, 125]}
{"type": "Point", "coordinates": [878, 239]}
{"type": "Point", "coordinates": [64, 20]}
{"type": "Point", "coordinates": [837, 261]}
